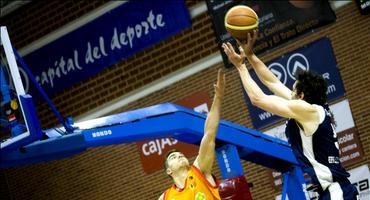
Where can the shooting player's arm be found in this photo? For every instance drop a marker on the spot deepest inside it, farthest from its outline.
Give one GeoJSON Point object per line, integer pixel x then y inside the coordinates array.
{"type": "Point", "coordinates": [297, 109]}
{"type": "Point", "coordinates": [268, 78]}
{"type": "Point", "coordinates": [263, 73]}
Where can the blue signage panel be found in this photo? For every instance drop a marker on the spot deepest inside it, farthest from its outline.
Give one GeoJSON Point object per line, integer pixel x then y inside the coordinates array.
{"type": "Point", "coordinates": [110, 38]}
{"type": "Point", "coordinates": [318, 57]}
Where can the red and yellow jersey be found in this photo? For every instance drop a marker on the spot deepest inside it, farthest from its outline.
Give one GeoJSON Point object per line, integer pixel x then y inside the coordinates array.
{"type": "Point", "coordinates": [197, 187]}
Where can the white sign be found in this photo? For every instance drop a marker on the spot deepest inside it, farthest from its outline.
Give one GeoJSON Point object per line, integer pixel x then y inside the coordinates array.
{"type": "Point", "coordinates": [342, 115]}
{"type": "Point", "coordinates": [360, 177]}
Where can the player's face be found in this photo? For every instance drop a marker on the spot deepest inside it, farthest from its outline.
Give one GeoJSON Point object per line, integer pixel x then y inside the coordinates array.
{"type": "Point", "coordinates": [177, 160]}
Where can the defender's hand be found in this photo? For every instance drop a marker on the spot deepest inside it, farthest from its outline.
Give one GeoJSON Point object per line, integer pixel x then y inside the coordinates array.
{"type": "Point", "coordinates": [220, 85]}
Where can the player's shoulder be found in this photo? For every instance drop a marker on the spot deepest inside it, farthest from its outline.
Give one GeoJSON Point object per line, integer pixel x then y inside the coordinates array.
{"type": "Point", "coordinates": [302, 105]}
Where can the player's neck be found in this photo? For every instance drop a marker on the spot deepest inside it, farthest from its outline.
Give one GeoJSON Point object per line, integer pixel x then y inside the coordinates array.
{"type": "Point", "coordinates": [179, 177]}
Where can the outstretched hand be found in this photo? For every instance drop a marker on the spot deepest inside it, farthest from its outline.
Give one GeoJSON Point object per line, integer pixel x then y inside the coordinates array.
{"type": "Point", "coordinates": [248, 47]}
{"type": "Point", "coordinates": [236, 59]}
{"type": "Point", "coordinates": [220, 85]}
{"type": "Point", "coordinates": [245, 49]}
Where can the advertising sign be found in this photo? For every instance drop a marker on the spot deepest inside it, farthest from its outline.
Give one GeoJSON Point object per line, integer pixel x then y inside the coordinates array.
{"type": "Point", "coordinates": [360, 177]}
{"type": "Point", "coordinates": [364, 6]}
{"type": "Point", "coordinates": [108, 39]}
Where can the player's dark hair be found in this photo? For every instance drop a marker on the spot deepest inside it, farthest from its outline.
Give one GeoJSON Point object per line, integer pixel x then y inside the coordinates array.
{"type": "Point", "coordinates": [313, 86]}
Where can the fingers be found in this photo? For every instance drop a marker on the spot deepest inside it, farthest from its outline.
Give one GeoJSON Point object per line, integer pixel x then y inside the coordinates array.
{"type": "Point", "coordinates": [241, 49]}
{"type": "Point", "coordinates": [255, 34]}
{"type": "Point", "coordinates": [252, 36]}
{"type": "Point", "coordinates": [239, 43]}
{"type": "Point", "coordinates": [249, 38]}
{"type": "Point", "coordinates": [242, 53]}
{"type": "Point", "coordinates": [220, 74]}
{"type": "Point", "coordinates": [228, 49]}
{"type": "Point", "coordinates": [220, 85]}
{"type": "Point", "coordinates": [221, 77]}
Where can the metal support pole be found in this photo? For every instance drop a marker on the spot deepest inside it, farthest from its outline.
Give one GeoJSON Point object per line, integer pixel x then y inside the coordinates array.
{"type": "Point", "coordinates": [294, 184]}
{"type": "Point", "coordinates": [229, 161]}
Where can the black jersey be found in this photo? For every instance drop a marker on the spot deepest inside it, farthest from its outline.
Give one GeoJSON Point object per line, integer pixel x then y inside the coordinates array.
{"type": "Point", "coordinates": [318, 152]}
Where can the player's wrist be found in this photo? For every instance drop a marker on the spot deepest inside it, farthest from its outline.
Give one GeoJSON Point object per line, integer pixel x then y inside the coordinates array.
{"type": "Point", "coordinates": [219, 95]}
{"type": "Point", "coordinates": [240, 67]}
{"type": "Point", "coordinates": [249, 55]}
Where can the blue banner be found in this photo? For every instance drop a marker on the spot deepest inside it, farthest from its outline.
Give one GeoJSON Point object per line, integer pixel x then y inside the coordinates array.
{"type": "Point", "coordinates": [106, 40]}
{"type": "Point", "coordinates": [318, 57]}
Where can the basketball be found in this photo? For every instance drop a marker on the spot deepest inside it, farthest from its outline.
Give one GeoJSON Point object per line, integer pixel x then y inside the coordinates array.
{"type": "Point", "coordinates": [239, 20]}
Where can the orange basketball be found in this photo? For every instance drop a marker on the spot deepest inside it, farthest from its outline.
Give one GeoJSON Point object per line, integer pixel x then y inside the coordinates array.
{"type": "Point", "coordinates": [240, 20]}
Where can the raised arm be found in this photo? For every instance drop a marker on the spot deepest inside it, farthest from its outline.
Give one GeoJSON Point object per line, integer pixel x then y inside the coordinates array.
{"type": "Point", "coordinates": [297, 109]}
{"type": "Point", "coordinates": [206, 155]}
{"type": "Point", "coordinates": [263, 73]}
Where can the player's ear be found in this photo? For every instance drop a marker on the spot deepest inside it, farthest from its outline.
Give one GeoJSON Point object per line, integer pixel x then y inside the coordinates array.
{"type": "Point", "coordinates": [169, 171]}
{"type": "Point", "coordinates": [301, 96]}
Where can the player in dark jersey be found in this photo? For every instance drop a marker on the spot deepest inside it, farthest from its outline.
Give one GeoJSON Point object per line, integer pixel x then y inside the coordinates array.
{"type": "Point", "coordinates": [309, 128]}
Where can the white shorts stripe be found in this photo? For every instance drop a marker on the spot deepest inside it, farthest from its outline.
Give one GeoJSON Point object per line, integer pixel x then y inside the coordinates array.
{"type": "Point", "coordinates": [336, 192]}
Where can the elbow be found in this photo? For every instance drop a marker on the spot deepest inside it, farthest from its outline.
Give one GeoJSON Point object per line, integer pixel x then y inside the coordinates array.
{"type": "Point", "coordinates": [259, 100]}
{"type": "Point", "coordinates": [255, 100]}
